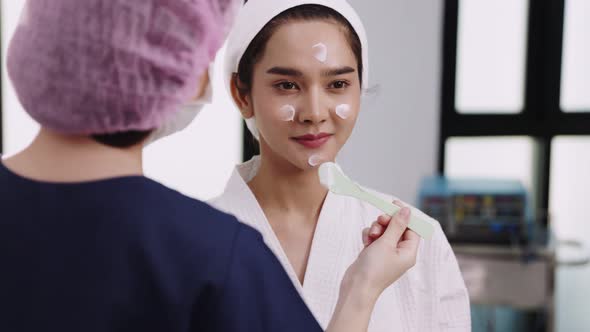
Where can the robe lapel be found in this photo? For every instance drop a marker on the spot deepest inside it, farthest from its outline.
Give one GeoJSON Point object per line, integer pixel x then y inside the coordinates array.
{"type": "Point", "coordinates": [331, 248]}
{"type": "Point", "coordinates": [327, 259]}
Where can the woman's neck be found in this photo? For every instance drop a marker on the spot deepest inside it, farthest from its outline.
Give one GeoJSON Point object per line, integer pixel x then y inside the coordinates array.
{"type": "Point", "coordinates": [280, 186]}
{"type": "Point", "coordinates": [53, 157]}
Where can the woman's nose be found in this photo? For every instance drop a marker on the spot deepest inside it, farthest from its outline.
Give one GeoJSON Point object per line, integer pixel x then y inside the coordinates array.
{"type": "Point", "coordinates": [313, 110]}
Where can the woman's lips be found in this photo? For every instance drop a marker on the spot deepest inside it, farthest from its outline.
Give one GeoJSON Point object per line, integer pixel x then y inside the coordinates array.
{"type": "Point", "coordinates": [312, 141]}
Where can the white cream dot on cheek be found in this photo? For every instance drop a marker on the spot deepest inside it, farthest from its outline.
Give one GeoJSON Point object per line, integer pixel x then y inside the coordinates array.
{"type": "Point", "coordinates": [287, 113]}
{"type": "Point", "coordinates": [315, 160]}
{"type": "Point", "coordinates": [343, 111]}
{"type": "Point", "coordinates": [320, 52]}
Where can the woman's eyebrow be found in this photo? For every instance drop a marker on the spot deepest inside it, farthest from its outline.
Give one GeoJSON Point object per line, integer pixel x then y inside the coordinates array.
{"type": "Point", "coordinates": [284, 71]}
{"type": "Point", "coordinates": [338, 71]}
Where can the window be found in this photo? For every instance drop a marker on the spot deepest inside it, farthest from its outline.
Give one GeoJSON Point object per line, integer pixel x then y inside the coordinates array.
{"type": "Point", "coordinates": [491, 56]}
{"type": "Point", "coordinates": [575, 93]}
{"type": "Point", "coordinates": [497, 157]}
{"type": "Point", "coordinates": [520, 94]}
{"type": "Point", "coordinates": [570, 188]}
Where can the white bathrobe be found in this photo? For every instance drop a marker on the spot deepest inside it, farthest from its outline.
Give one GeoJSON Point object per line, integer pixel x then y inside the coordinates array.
{"type": "Point", "coordinates": [429, 297]}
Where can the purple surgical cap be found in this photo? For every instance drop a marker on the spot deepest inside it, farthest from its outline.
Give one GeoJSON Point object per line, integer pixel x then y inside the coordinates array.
{"type": "Point", "coordinates": [105, 66]}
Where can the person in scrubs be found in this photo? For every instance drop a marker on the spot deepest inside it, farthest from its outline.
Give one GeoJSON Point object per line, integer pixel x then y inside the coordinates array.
{"type": "Point", "coordinates": [87, 243]}
{"type": "Point", "coordinates": [297, 71]}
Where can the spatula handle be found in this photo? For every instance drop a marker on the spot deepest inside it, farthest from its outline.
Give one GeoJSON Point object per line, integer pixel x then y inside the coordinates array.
{"type": "Point", "coordinates": [424, 228]}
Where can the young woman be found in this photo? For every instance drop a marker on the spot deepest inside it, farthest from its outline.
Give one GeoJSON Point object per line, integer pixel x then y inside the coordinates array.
{"type": "Point", "coordinates": [296, 71]}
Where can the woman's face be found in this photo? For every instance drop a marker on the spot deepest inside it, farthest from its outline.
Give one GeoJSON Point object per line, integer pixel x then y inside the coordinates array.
{"type": "Point", "coordinates": [305, 93]}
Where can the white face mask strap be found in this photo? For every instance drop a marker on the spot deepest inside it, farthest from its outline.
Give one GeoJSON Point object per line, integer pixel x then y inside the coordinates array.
{"type": "Point", "coordinates": [186, 115]}
{"type": "Point", "coordinates": [207, 98]}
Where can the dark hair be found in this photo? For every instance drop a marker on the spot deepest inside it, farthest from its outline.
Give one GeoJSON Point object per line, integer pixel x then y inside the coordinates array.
{"type": "Point", "coordinates": [123, 139]}
{"type": "Point", "coordinates": [307, 12]}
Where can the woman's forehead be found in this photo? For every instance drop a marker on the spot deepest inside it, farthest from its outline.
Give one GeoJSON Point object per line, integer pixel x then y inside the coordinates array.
{"type": "Point", "coordinates": [308, 44]}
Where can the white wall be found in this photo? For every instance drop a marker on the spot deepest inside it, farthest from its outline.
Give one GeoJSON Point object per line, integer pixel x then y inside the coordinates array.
{"type": "Point", "coordinates": [18, 128]}
{"type": "Point", "coordinates": [199, 160]}
{"type": "Point", "coordinates": [395, 141]}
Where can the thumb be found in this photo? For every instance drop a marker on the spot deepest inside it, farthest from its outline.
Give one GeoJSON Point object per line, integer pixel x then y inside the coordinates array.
{"type": "Point", "coordinates": [397, 226]}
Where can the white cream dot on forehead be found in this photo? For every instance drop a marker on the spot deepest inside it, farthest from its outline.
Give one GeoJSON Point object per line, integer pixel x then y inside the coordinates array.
{"type": "Point", "coordinates": [343, 111]}
{"type": "Point", "coordinates": [315, 160]}
{"type": "Point", "coordinates": [320, 52]}
{"type": "Point", "coordinates": [287, 113]}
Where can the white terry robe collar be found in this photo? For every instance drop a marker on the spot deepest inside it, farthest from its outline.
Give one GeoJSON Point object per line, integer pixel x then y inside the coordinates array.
{"type": "Point", "coordinates": [330, 240]}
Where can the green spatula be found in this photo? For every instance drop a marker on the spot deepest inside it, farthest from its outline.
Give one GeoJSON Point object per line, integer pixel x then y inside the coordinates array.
{"type": "Point", "coordinates": [332, 177]}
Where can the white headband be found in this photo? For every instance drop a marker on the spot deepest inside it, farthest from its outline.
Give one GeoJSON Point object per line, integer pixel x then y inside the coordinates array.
{"type": "Point", "coordinates": [257, 13]}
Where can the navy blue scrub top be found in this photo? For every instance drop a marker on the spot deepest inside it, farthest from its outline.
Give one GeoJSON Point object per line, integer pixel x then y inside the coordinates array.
{"type": "Point", "coordinates": [129, 254]}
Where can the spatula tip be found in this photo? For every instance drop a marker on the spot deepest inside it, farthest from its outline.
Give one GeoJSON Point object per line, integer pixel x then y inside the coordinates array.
{"type": "Point", "coordinates": [326, 173]}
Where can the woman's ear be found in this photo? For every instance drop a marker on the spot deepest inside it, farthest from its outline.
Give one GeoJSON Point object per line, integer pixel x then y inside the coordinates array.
{"type": "Point", "coordinates": [241, 97]}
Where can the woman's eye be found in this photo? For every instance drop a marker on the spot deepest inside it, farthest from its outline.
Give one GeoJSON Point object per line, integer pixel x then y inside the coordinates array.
{"type": "Point", "coordinates": [339, 85]}
{"type": "Point", "coordinates": [287, 86]}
